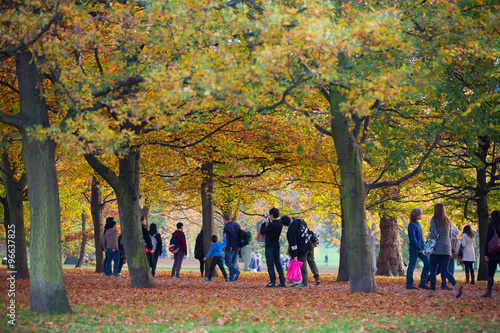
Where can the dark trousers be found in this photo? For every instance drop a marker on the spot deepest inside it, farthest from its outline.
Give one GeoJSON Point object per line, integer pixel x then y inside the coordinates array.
{"type": "Point", "coordinates": [176, 268]}
{"type": "Point", "coordinates": [217, 261]}
{"type": "Point", "coordinates": [492, 266]}
{"type": "Point", "coordinates": [115, 256]}
{"type": "Point", "coordinates": [202, 266]}
{"type": "Point", "coordinates": [272, 260]}
{"type": "Point", "coordinates": [303, 268]}
{"type": "Point", "coordinates": [469, 268]}
{"type": "Point", "coordinates": [122, 261]}
{"type": "Point", "coordinates": [312, 264]}
{"type": "Point", "coordinates": [441, 260]}
{"type": "Point", "coordinates": [414, 255]}
{"type": "Point", "coordinates": [154, 261]}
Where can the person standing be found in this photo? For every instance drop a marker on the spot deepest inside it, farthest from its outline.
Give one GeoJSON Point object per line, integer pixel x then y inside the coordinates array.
{"type": "Point", "coordinates": [451, 265]}
{"type": "Point", "coordinates": [179, 255]}
{"type": "Point", "coordinates": [441, 228]}
{"type": "Point", "coordinates": [198, 251]}
{"type": "Point", "coordinates": [469, 255]}
{"type": "Point", "coordinates": [147, 241]}
{"type": "Point", "coordinates": [415, 236]}
{"type": "Point", "coordinates": [299, 244]}
{"type": "Point", "coordinates": [271, 229]}
{"type": "Point", "coordinates": [216, 252]}
{"type": "Point", "coordinates": [492, 259]}
{"type": "Point", "coordinates": [121, 248]}
{"type": "Point", "coordinates": [110, 243]}
{"type": "Point", "coordinates": [232, 231]}
{"type": "Point", "coordinates": [157, 246]}
{"type": "Point", "coordinates": [310, 259]}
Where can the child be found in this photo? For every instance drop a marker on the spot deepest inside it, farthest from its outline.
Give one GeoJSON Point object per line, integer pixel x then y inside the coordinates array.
{"type": "Point", "coordinates": [216, 250]}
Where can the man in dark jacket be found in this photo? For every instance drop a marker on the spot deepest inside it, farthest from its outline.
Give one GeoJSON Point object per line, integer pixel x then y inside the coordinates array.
{"type": "Point", "coordinates": [232, 231]}
{"type": "Point", "coordinates": [148, 246]}
{"type": "Point", "coordinates": [179, 255]}
{"type": "Point", "coordinates": [272, 230]}
{"type": "Point", "coordinates": [299, 243]}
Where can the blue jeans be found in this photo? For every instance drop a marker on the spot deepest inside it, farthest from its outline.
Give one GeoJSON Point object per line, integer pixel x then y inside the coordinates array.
{"type": "Point", "coordinates": [115, 256]}
{"type": "Point", "coordinates": [411, 267]}
{"type": "Point", "coordinates": [273, 259]}
{"type": "Point", "coordinates": [154, 261]}
{"type": "Point", "coordinates": [442, 260]}
{"type": "Point", "coordinates": [451, 269]}
{"type": "Point", "coordinates": [216, 261]}
{"type": "Point", "coordinates": [231, 259]}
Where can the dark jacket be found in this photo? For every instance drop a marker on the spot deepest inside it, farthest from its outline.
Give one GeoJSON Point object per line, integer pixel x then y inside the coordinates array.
{"type": "Point", "coordinates": [298, 238]}
{"type": "Point", "coordinates": [415, 236]}
{"type": "Point", "coordinates": [145, 236]}
{"type": "Point", "coordinates": [159, 245]}
{"type": "Point", "coordinates": [489, 236]}
{"type": "Point", "coordinates": [181, 240]}
{"type": "Point", "coordinates": [272, 230]}
{"type": "Point", "coordinates": [198, 247]}
{"type": "Point", "coordinates": [232, 231]}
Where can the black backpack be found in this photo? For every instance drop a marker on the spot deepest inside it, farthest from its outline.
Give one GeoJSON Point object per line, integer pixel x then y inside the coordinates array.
{"type": "Point", "coordinates": [244, 237]}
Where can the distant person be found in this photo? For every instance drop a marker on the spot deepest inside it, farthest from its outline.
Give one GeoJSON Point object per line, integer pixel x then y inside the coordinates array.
{"type": "Point", "coordinates": [157, 247]}
{"type": "Point", "coordinates": [147, 241]}
{"type": "Point", "coordinates": [469, 255]}
{"type": "Point", "coordinates": [283, 262]}
{"type": "Point", "coordinates": [107, 226]}
{"type": "Point", "coordinates": [253, 264]}
{"type": "Point", "coordinates": [271, 230]}
{"type": "Point", "coordinates": [441, 225]}
{"type": "Point", "coordinates": [123, 258]}
{"type": "Point", "coordinates": [232, 231]}
{"type": "Point", "coordinates": [110, 243]}
{"type": "Point", "coordinates": [199, 251]}
{"type": "Point", "coordinates": [179, 255]}
{"type": "Point", "coordinates": [416, 238]}
{"type": "Point", "coordinates": [257, 261]}
{"type": "Point", "coordinates": [215, 251]}
{"type": "Point", "coordinates": [299, 244]}
{"type": "Point", "coordinates": [492, 259]}
{"type": "Point", "coordinates": [326, 259]}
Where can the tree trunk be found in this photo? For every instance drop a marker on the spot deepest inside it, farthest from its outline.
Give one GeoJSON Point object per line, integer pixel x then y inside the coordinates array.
{"type": "Point", "coordinates": [343, 274]}
{"type": "Point", "coordinates": [47, 291]}
{"type": "Point", "coordinates": [207, 207]}
{"type": "Point", "coordinates": [96, 207]}
{"type": "Point", "coordinates": [353, 192]}
{"type": "Point", "coordinates": [15, 223]}
{"type": "Point", "coordinates": [390, 258]}
{"type": "Point", "coordinates": [84, 241]}
{"type": "Point", "coordinates": [483, 217]}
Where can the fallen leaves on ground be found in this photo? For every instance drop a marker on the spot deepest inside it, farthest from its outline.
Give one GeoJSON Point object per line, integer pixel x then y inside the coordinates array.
{"type": "Point", "coordinates": [177, 302]}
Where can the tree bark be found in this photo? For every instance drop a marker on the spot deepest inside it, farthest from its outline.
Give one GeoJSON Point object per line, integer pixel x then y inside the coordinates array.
{"type": "Point", "coordinates": [353, 192]}
{"type": "Point", "coordinates": [81, 258]}
{"type": "Point", "coordinates": [126, 187]}
{"type": "Point", "coordinates": [96, 207]}
{"type": "Point", "coordinates": [15, 223]}
{"type": "Point", "coordinates": [343, 274]}
{"type": "Point", "coordinates": [390, 258]}
{"type": "Point", "coordinates": [47, 291]}
{"type": "Point", "coordinates": [207, 207]}
{"type": "Point", "coordinates": [483, 217]}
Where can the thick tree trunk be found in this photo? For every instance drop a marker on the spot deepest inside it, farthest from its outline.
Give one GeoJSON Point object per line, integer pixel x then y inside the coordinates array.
{"type": "Point", "coordinates": [47, 291]}
{"type": "Point", "coordinates": [96, 207]}
{"type": "Point", "coordinates": [353, 192]}
{"type": "Point", "coordinates": [15, 223]}
{"type": "Point", "coordinates": [81, 258]}
{"type": "Point", "coordinates": [390, 259]}
{"type": "Point", "coordinates": [207, 207]}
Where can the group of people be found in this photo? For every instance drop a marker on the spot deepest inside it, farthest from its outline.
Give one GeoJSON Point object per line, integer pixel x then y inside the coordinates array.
{"type": "Point", "coordinates": [447, 248]}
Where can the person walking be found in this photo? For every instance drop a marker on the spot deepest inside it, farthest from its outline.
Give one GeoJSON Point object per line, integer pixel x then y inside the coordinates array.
{"type": "Point", "coordinates": [469, 255]}
{"type": "Point", "coordinates": [157, 247]}
{"type": "Point", "coordinates": [232, 231]}
{"type": "Point", "coordinates": [451, 265]}
{"type": "Point", "coordinates": [492, 259]}
{"type": "Point", "coordinates": [179, 255]}
{"type": "Point", "coordinates": [441, 228]}
{"type": "Point", "coordinates": [216, 249]}
{"type": "Point", "coordinates": [110, 243]}
{"type": "Point", "coordinates": [271, 229]}
{"type": "Point", "coordinates": [310, 258]}
{"type": "Point", "coordinates": [147, 241]}
{"type": "Point", "coordinates": [198, 251]}
{"type": "Point", "coordinates": [299, 244]}
{"type": "Point", "coordinates": [415, 236]}
{"type": "Point", "coordinates": [121, 248]}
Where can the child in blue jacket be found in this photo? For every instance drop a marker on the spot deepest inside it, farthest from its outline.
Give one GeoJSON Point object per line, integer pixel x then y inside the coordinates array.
{"type": "Point", "coordinates": [216, 252]}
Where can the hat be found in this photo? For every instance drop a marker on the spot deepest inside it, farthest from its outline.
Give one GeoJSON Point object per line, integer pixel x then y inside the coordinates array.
{"type": "Point", "coordinates": [454, 231]}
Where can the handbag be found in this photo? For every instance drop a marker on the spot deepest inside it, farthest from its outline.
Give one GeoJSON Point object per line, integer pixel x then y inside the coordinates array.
{"type": "Point", "coordinates": [293, 273]}
{"type": "Point", "coordinates": [461, 252]}
{"type": "Point", "coordinates": [430, 245]}
{"type": "Point", "coordinates": [494, 244]}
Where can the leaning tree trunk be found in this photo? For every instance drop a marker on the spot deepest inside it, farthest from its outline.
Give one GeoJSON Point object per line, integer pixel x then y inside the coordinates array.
{"type": "Point", "coordinates": [47, 291]}
{"type": "Point", "coordinates": [482, 214]}
{"type": "Point", "coordinates": [353, 192]}
{"type": "Point", "coordinates": [207, 207]}
{"type": "Point", "coordinates": [390, 259]}
{"type": "Point", "coordinates": [15, 231]}
{"type": "Point", "coordinates": [96, 207]}
{"type": "Point", "coordinates": [81, 258]}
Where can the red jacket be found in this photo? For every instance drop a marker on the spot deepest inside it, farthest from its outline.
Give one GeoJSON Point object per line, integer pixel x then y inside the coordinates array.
{"type": "Point", "coordinates": [181, 240]}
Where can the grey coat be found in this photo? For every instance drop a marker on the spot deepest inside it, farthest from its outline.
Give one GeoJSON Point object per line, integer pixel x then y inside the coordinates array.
{"type": "Point", "coordinates": [443, 243]}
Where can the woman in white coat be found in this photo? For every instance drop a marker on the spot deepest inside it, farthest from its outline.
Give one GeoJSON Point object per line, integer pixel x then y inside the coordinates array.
{"type": "Point", "coordinates": [469, 255]}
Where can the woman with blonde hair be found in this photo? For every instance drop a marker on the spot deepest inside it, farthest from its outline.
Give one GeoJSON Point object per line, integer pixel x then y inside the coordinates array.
{"type": "Point", "coordinates": [469, 256]}
{"type": "Point", "coordinates": [441, 228]}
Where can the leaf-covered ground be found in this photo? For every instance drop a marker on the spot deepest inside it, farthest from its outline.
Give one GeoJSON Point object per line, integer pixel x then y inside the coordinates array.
{"type": "Point", "coordinates": [109, 304]}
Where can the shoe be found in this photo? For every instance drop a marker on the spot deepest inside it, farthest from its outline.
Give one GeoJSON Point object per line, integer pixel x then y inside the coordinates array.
{"type": "Point", "coordinates": [208, 280]}
{"type": "Point", "coordinates": [282, 285]}
{"type": "Point", "coordinates": [302, 285]}
{"type": "Point", "coordinates": [487, 294]}
{"type": "Point", "coordinates": [424, 286]}
{"type": "Point", "coordinates": [446, 288]}
{"type": "Point", "coordinates": [227, 280]}
{"type": "Point", "coordinates": [119, 275]}
{"type": "Point", "coordinates": [411, 287]}
{"type": "Point", "coordinates": [432, 293]}
{"type": "Point", "coordinates": [237, 275]}
{"type": "Point", "coordinates": [178, 277]}
{"type": "Point", "coordinates": [460, 290]}
{"type": "Point", "coordinates": [270, 285]}
{"type": "Point", "coordinates": [316, 282]}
